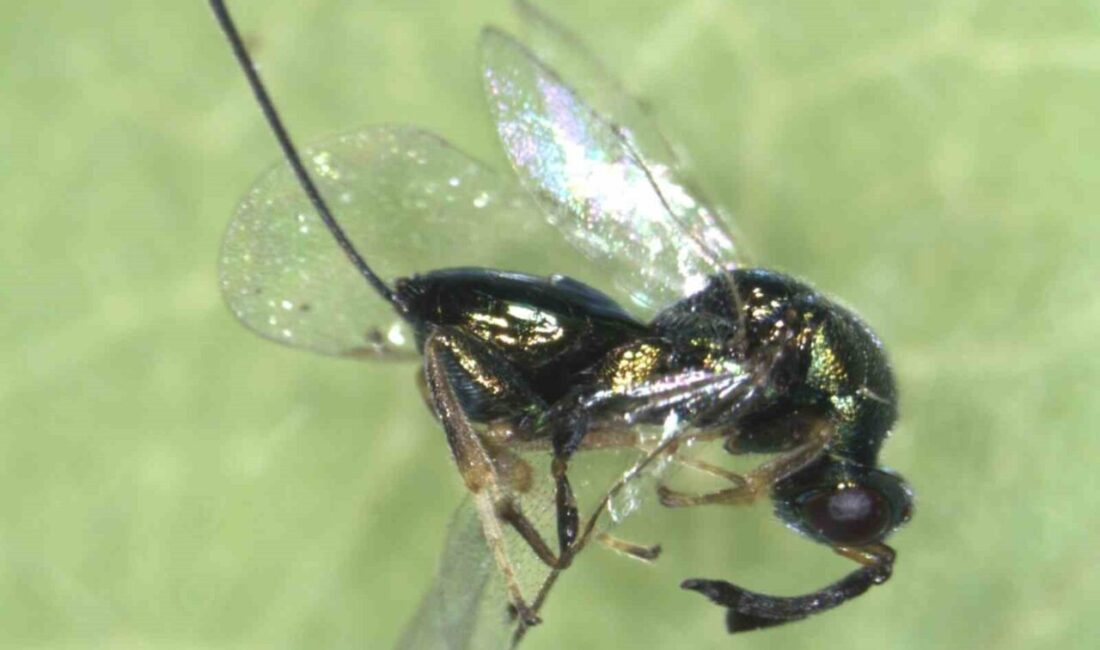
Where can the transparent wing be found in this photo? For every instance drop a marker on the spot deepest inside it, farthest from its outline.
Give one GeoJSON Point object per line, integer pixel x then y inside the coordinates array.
{"type": "Point", "coordinates": [571, 58]}
{"type": "Point", "coordinates": [588, 76]}
{"type": "Point", "coordinates": [599, 168]}
{"type": "Point", "coordinates": [464, 607]}
{"type": "Point", "coordinates": [591, 79]}
{"type": "Point", "coordinates": [410, 203]}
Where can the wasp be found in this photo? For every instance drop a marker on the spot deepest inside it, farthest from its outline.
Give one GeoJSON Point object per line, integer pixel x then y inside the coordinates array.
{"type": "Point", "coordinates": [686, 339]}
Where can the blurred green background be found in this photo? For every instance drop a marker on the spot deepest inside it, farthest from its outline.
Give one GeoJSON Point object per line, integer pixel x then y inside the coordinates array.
{"type": "Point", "coordinates": [168, 480]}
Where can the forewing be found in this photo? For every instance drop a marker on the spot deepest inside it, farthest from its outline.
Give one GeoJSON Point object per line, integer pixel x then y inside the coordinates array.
{"type": "Point", "coordinates": [410, 203]}
{"type": "Point", "coordinates": [567, 55]}
{"type": "Point", "coordinates": [600, 169]}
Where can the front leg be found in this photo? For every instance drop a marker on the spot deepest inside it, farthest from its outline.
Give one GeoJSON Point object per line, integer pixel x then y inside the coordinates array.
{"type": "Point", "coordinates": [452, 359]}
{"type": "Point", "coordinates": [747, 488]}
{"type": "Point", "coordinates": [750, 610]}
{"type": "Point", "coordinates": [613, 412]}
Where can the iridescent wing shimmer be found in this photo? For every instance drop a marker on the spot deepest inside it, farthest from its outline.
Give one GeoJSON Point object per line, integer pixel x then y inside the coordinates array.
{"type": "Point", "coordinates": [410, 203]}
{"type": "Point", "coordinates": [571, 58]}
{"type": "Point", "coordinates": [588, 76]}
{"type": "Point", "coordinates": [599, 168]}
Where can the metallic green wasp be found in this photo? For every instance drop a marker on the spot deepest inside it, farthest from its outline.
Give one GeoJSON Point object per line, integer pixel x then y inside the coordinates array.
{"type": "Point", "coordinates": [526, 364]}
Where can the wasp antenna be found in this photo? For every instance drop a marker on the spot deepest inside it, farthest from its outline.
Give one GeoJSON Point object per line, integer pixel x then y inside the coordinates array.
{"type": "Point", "coordinates": [749, 610]}
{"type": "Point", "coordinates": [291, 153]}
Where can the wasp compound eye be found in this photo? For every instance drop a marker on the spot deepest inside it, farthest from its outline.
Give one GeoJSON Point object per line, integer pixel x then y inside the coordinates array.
{"type": "Point", "coordinates": [844, 504]}
{"type": "Point", "coordinates": [848, 515]}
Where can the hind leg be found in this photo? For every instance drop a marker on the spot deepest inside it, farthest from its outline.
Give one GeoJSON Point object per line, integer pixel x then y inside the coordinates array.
{"type": "Point", "coordinates": [458, 377]}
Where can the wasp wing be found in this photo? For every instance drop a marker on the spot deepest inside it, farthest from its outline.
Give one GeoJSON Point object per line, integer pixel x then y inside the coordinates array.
{"type": "Point", "coordinates": [599, 168]}
{"type": "Point", "coordinates": [588, 76]}
{"type": "Point", "coordinates": [464, 608]}
{"type": "Point", "coordinates": [410, 203]}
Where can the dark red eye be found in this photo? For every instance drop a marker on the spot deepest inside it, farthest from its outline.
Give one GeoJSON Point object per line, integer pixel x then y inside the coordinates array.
{"type": "Point", "coordinates": [850, 515]}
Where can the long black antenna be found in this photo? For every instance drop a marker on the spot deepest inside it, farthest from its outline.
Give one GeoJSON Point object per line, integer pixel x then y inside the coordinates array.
{"type": "Point", "coordinates": [749, 610]}
{"type": "Point", "coordinates": [291, 153]}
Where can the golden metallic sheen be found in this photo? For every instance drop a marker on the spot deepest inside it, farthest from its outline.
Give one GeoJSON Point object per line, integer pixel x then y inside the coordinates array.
{"type": "Point", "coordinates": [826, 370]}
{"type": "Point", "coordinates": [632, 366]}
{"type": "Point", "coordinates": [513, 326]}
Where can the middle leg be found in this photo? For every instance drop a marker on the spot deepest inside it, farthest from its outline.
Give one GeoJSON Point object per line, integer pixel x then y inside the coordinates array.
{"type": "Point", "coordinates": [748, 487]}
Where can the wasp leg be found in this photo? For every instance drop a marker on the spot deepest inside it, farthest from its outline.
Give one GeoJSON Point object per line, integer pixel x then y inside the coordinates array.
{"type": "Point", "coordinates": [750, 610]}
{"type": "Point", "coordinates": [747, 487]}
{"type": "Point", "coordinates": [568, 515]}
{"type": "Point", "coordinates": [636, 551]}
{"type": "Point", "coordinates": [712, 470]}
{"type": "Point", "coordinates": [445, 351]}
{"type": "Point", "coordinates": [496, 435]}
{"type": "Point", "coordinates": [571, 422]}
{"type": "Point", "coordinates": [487, 387]}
